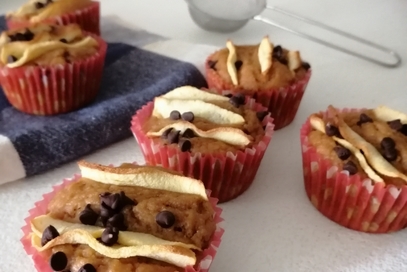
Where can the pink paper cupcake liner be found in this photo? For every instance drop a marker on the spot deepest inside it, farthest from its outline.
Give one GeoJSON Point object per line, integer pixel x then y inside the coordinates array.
{"type": "Point", "coordinates": [54, 89]}
{"type": "Point", "coordinates": [88, 18]}
{"type": "Point", "coordinates": [351, 201]}
{"type": "Point", "coordinates": [227, 175]}
{"type": "Point", "coordinates": [204, 258]}
{"type": "Point", "coordinates": [282, 103]}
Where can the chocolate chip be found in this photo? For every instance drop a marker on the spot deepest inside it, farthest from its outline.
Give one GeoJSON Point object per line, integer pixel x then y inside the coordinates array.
{"type": "Point", "coordinates": [241, 98]}
{"type": "Point", "coordinates": [111, 200]}
{"type": "Point", "coordinates": [395, 124]}
{"type": "Point", "coordinates": [342, 152]}
{"type": "Point", "coordinates": [12, 38]}
{"type": "Point", "coordinates": [126, 200]}
{"type": "Point", "coordinates": [110, 236]}
{"type": "Point", "coordinates": [165, 133]}
{"type": "Point", "coordinates": [351, 167]}
{"type": "Point", "coordinates": [116, 221]}
{"type": "Point", "coordinates": [331, 130]}
{"type": "Point", "coordinates": [58, 261]}
{"type": "Point", "coordinates": [387, 143]}
{"type": "Point", "coordinates": [175, 115]}
{"type": "Point", "coordinates": [63, 41]}
{"type": "Point", "coordinates": [212, 64]}
{"type": "Point", "coordinates": [88, 216]}
{"type": "Point", "coordinates": [238, 64]}
{"type": "Point", "coordinates": [184, 145]}
{"type": "Point", "coordinates": [364, 119]}
{"type": "Point", "coordinates": [179, 229]}
{"type": "Point", "coordinates": [11, 59]}
{"type": "Point", "coordinates": [246, 131]}
{"type": "Point", "coordinates": [306, 66]}
{"type": "Point", "coordinates": [49, 234]}
{"type": "Point", "coordinates": [173, 136]}
{"type": "Point", "coordinates": [105, 212]}
{"type": "Point", "coordinates": [228, 95]}
{"type": "Point", "coordinates": [237, 100]}
{"type": "Point", "coordinates": [19, 37]}
{"type": "Point", "coordinates": [278, 52]}
{"type": "Point", "coordinates": [165, 219]}
{"type": "Point", "coordinates": [188, 133]}
{"type": "Point", "coordinates": [261, 114]}
{"type": "Point", "coordinates": [404, 130]}
{"type": "Point", "coordinates": [28, 35]}
{"type": "Point", "coordinates": [188, 116]}
{"type": "Point", "coordinates": [39, 5]}
{"type": "Point", "coordinates": [87, 268]}
{"type": "Point", "coordinates": [234, 101]}
{"type": "Point", "coordinates": [390, 154]}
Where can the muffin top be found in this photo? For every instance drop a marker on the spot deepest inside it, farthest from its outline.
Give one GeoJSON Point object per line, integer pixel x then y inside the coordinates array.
{"type": "Point", "coordinates": [369, 142]}
{"type": "Point", "coordinates": [257, 67]}
{"type": "Point", "coordinates": [194, 120]}
{"type": "Point", "coordinates": [120, 218]}
{"type": "Point", "coordinates": [38, 10]}
{"type": "Point", "coordinates": [44, 44]}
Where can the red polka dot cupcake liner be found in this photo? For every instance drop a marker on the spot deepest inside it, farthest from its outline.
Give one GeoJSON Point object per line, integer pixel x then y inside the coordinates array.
{"type": "Point", "coordinates": [55, 89]}
{"type": "Point", "coordinates": [351, 201]}
{"type": "Point", "coordinates": [282, 103]}
{"type": "Point", "coordinates": [88, 18]}
{"type": "Point", "coordinates": [204, 258]}
{"type": "Point", "coordinates": [227, 175]}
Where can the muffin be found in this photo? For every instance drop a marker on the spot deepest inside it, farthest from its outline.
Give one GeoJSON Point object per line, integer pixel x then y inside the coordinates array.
{"type": "Point", "coordinates": [274, 76]}
{"type": "Point", "coordinates": [85, 13]}
{"type": "Point", "coordinates": [127, 218]}
{"type": "Point", "coordinates": [355, 166]}
{"type": "Point", "coordinates": [50, 69]}
{"type": "Point", "coordinates": [217, 139]}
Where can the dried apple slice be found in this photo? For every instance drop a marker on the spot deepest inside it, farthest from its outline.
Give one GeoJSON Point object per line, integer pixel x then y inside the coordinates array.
{"type": "Point", "coordinates": [163, 108]}
{"type": "Point", "coordinates": [228, 135]}
{"type": "Point", "coordinates": [265, 53]}
{"type": "Point", "coordinates": [126, 238]}
{"type": "Point", "coordinates": [192, 93]}
{"type": "Point", "coordinates": [144, 176]}
{"type": "Point", "coordinates": [178, 256]}
{"type": "Point", "coordinates": [230, 62]}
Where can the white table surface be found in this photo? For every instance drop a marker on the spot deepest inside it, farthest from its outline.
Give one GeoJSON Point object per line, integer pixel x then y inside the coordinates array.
{"type": "Point", "coordinates": [273, 226]}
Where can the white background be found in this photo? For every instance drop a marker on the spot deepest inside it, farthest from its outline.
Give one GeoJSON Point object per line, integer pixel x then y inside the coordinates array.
{"type": "Point", "coordinates": [273, 226]}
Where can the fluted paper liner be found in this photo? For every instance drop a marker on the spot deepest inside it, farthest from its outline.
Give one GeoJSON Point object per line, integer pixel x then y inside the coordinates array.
{"type": "Point", "coordinates": [88, 18]}
{"type": "Point", "coordinates": [351, 201]}
{"type": "Point", "coordinates": [204, 258]}
{"type": "Point", "coordinates": [282, 103]}
{"type": "Point", "coordinates": [227, 175]}
{"type": "Point", "coordinates": [54, 89]}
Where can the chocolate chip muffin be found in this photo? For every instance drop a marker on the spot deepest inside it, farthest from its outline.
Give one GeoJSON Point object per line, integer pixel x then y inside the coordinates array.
{"type": "Point", "coordinates": [86, 13]}
{"type": "Point", "coordinates": [356, 165]}
{"type": "Point", "coordinates": [188, 125]}
{"type": "Point", "coordinates": [129, 218]}
{"type": "Point", "coordinates": [50, 69]}
{"type": "Point", "coordinates": [274, 76]}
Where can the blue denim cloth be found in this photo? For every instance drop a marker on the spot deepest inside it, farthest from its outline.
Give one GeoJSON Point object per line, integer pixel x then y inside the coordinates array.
{"type": "Point", "coordinates": [132, 77]}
